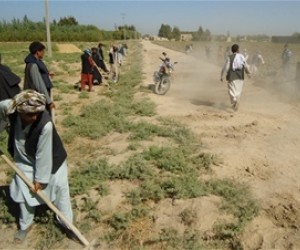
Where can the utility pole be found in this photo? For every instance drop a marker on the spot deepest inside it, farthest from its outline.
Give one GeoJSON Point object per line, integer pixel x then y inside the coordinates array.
{"type": "Point", "coordinates": [124, 30]}
{"type": "Point", "coordinates": [48, 30]}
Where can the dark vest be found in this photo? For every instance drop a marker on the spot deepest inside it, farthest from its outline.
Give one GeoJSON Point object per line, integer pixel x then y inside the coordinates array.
{"type": "Point", "coordinates": [86, 67]}
{"type": "Point", "coordinates": [59, 154]}
{"type": "Point", "coordinates": [237, 74]}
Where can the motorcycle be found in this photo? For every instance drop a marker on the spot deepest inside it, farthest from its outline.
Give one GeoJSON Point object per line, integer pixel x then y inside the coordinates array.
{"type": "Point", "coordinates": [162, 77]}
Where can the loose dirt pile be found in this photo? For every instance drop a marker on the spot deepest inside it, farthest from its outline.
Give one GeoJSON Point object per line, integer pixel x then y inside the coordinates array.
{"type": "Point", "coordinates": [67, 48]}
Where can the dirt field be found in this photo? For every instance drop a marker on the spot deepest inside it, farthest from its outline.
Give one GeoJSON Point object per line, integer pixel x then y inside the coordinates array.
{"type": "Point", "coordinates": [259, 144]}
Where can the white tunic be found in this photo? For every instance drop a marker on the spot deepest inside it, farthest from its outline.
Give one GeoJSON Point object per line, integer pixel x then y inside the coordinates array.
{"type": "Point", "coordinates": [38, 169]}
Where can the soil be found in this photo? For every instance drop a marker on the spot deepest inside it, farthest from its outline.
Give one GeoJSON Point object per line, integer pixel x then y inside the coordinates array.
{"type": "Point", "coordinates": [258, 145]}
{"type": "Point", "coordinates": [67, 48]}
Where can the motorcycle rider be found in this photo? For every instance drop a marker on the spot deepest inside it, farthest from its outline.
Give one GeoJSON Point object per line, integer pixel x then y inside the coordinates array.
{"type": "Point", "coordinates": [166, 65]}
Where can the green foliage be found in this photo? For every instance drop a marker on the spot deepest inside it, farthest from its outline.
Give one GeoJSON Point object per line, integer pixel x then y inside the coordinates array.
{"type": "Point", "coordinates": [143, 131]}
{"type": "Point", "coordinates": [176, 187]}
{"type": "Point", "coordinates": [144, 108]}
{"type": "Point", "coordinates": [63, 88]}
{"type": "Point", "coordinates": [167, 158]}
{"type": "Point", "coordinates": [169, 238]}
{"type": "Point", "coordinates": [183, 187]}
{"type": "Point", "coordinates": [84, 95]}
{"type": "Point", "coordinates": [90, 176]}
{"type": "Point", "coordinates": [188, 216]}
{"type": "Point", "coordinates": [120, 221]}
{"type": "Point", "coordinates": [176, 34]}
{"type": "Point", "coordinates": [66, 29]}
{"type": "Point", "coordinates": [3, 142]}
{"type": "Point", "coordinates": [89, 207]}
{"type": "Point", "coordinates": [165, 31]}
{"type": "Point", "coordinates": [8, 209]}
{"type": "Point", "coordinates": [201, 35]}
{"type": "Point", "coordinates": [49, 233]}
{"type": "Point", "coordinates": [67, 21]}
{"type": "Point", "coordinates": [136, 167]}
{"type": "Point", "coordinates": [239, 202]}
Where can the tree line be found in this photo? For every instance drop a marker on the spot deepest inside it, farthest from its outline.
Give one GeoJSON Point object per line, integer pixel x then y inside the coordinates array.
{"type": "Point", "coordinates": [166, 31]}
{"type": "Point", "coordinates": [66, 29]}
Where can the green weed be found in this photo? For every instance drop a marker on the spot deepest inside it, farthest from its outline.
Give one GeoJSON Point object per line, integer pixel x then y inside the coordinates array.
{"type": "Point", "coordinates": [90, 176]}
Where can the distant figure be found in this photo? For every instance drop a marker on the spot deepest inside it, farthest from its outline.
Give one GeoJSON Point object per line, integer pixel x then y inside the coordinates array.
{"type": "Point", "coordinates": [123, 49]}
{"type": "Point", "coordinates": [114, 63]}
{"type": "Point", "coordinates": [286, 57]}
{"type": "Point", "coordinates": [220, 55]}
{"type": "Point", "coordinates": [9, 82]}
{"type": "Point", "coordinates": [234, 68]}
{"type": "Point", "coordinates": [87, 65]}
{"type": "Point", "coordinates": [101, 58]}
{"type": "Point", "coordinates": [188, 49]}
{"type": "Point", "coordinates": [245, 54]}
{"type": "Point", "coordinates": [227, 53]}
{"type": "Point", "coordinates": [97, 77]}
{"type": "Point", "coordinates": [207, 51]}
{"type": "Point", "coordinates": [257, 61]}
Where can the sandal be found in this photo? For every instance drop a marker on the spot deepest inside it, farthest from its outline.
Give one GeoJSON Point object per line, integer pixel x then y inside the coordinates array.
{"type": "Point", "coordinates": [20, 236]}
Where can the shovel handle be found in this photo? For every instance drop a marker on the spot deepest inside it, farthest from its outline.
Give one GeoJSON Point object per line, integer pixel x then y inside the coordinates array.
{"type": "Point", "coordinates": [46, 200]}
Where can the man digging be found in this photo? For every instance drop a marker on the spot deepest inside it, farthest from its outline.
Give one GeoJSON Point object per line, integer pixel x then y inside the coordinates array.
{"type": "Point", "coordinates": [39, 153]}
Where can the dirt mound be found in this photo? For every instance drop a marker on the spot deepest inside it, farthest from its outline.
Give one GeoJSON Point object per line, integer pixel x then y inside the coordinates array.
{"type": "Point", "coordinates": [68, 48]}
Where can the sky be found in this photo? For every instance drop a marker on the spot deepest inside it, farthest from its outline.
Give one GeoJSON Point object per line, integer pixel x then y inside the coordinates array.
{"type": "Point", "coordinates": [219, 17]}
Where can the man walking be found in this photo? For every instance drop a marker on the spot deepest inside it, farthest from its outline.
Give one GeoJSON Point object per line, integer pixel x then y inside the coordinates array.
{"type": "Point", "coordinates": [286, 57]}
{"type": "Point", "coordinates": [234, 68]}
{"type": "Point", "coordinates": [257, 61]}
{"type": "Point", "coordinates": [37, 76]}
{"type": "Point", "coordinates": [38, 152]}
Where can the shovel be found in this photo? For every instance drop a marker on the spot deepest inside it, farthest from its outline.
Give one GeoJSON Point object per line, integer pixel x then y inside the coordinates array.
{"type": "Point", "coordinates": [46, 200]}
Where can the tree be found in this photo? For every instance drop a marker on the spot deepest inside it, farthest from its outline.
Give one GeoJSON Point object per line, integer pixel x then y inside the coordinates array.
{"type": "Point", "coordinates": [67, 21]}
{"type": "Point", "coordinates": [165, 31]}
{"type": "Point", "coordinates": [176, 34]}
{"type": "Point", "coordinates": [201, 35]}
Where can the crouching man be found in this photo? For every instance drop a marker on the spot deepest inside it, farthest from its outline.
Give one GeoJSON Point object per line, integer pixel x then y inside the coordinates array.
{"type": "Point", "coordinates": [39, 153]}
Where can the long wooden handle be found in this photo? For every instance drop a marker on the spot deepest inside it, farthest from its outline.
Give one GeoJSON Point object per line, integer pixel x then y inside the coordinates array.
{"type": "Point", "coordinates": [46, 200]}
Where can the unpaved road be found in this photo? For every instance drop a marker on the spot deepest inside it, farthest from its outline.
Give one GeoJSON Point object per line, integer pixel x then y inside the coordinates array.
{"type": "Point", "coordinates": [259, 144]}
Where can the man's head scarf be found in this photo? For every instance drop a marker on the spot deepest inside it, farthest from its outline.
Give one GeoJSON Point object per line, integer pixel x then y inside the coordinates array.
{"type": "Point", "coordinates": [28, 102]}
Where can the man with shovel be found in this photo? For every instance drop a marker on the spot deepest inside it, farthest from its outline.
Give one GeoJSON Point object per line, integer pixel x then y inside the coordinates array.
{"type": "Point", "coordinates": [39, 153]}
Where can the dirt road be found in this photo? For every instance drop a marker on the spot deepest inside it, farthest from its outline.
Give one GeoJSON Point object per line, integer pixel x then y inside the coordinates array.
{"type": "Point", "coordinates": [259, 144]}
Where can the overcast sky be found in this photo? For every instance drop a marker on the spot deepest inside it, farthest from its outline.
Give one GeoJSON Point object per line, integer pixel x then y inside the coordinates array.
{"type": "Point", "coordinates": [237, 17]}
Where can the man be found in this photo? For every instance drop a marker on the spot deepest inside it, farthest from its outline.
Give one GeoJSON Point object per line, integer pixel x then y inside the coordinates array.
{"type": "Point", "coordinates": [38, 152]}
{"type": "Point", "coordinates": [87, 65]}
{"type": "Point", "coordinates": [257, 61]}
{"type": "Point", "coordinates": [37, 76]}
{"type": "Point", "coordinates": [9, 82]}
{"type": "Point", "coordinates": [245, 54]}
{"type": "Point", "coordinates": [234, 68]}
{"type": "Point", "coordinates": [286, 57]}
{"type": "Point", "coordinates": [101, 58]}
{"type": "Point", "coordinates": [114, 63]}
{"type": "Point", "coordinates": [97, 76]}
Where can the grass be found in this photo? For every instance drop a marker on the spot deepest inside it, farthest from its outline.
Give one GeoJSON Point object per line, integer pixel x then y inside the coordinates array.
{"type": "Point", "coordinates": [170, 170]}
